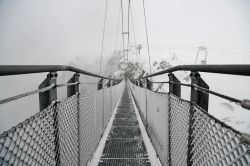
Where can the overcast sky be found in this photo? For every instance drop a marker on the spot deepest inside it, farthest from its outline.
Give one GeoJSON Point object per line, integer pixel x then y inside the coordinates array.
{"type": "Point", "coordinates": [57, 31]}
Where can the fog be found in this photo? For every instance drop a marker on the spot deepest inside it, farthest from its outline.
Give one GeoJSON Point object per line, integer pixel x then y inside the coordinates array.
{"type": "Point", "coordinates": [57, 31]}
{"type": "Point", "coordinates": [66, 32]}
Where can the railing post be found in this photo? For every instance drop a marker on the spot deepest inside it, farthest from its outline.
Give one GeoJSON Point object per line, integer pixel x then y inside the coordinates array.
{"type": "Point", "coordinates": [73, 89]}
{"type": "Point", "coordinates": [148, 84]}
{"type": "Point", "coordinates": [136, 83]}
{"type": "Point", "coordinates": [174, 88]}
{"type": "Point", "coordinates": [109, 83]}
{"type": "Point", "coordinates": [198, 97]}
{"type": "Point", "coordinates": [46, 98]}
{"type": "Point", "coordinates": [140, 83]}
{"type": "Point", "coordinates": [194, 92]}
{"type": "Point", "coordinates": [100, 84]}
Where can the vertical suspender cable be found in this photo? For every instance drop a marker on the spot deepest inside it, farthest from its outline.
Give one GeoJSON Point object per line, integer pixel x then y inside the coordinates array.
{"type": "Point", "coordinates": [117, 30]}
{"type": "Point", "coordinates": [122, 31]}
{"type": "Point", "coordinates": [147, 35]}
{"type": "Point", "coordinates": [197, 56]}
{"type": "Point", "coordinates": [103, 35]}
{"type": "Point", "coordinates": [133, 26]}
{"type": "Point", "coordinates": [128, 28]}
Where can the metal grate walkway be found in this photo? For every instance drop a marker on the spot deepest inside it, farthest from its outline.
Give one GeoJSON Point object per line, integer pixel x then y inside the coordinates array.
{"type": "Point", "coordinates": [125, 145]}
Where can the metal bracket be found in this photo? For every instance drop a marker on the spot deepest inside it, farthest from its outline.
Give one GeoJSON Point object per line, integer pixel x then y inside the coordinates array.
{"type": "Point", "coordinates": [47, 97]}
{"type": "Point", "coordinates": [198, 97]}
{"type": "Point", "coordinates": [140, 83]}
{"type": "Point", "coordinates": [108, 83]}
{"type": "Point", "coordinates": [245, 104]}
{"type": "Point", "coordinates": [100, 84]}
{"type": "Point", "coordinates": [174, 88]}
{"type": "Point", "coordinates": [71, 90]}
{"type": "Point", "coordinates": [148, 84]}
{"type": "Point", "coordinates": [245, 138]}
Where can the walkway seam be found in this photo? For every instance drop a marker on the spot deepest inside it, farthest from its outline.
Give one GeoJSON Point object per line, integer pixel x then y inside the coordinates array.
{"type": "Point", "coordinates": [125, 158]}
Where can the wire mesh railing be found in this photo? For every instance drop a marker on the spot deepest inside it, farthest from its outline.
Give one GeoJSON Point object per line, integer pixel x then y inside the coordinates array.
{"type": "Point", "coordinates": [64, 133]}
{"type": "Point", "coordinates": [67, 132]}
{"type": "Point", "coordinates": [178, 130]}
{"type": "Point", "coordinates": [157, 108]}
{"type": "Point", "coordinates": [214, 143]}
{"type": "Point", "coordinates": [31, 142]}
{"type": "Point", "coordinates": [95, 112]}
{"type": "Point", "coordinates": [182, 133]}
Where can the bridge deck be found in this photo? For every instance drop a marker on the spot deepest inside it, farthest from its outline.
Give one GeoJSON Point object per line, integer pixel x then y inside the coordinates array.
{"type": "Point", "coordinates": [125, 145]}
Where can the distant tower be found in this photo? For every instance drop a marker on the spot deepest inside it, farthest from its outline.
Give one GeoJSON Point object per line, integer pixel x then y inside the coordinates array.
{"type": "Point", "coordinates": [174, 56]}
{"type": "Point", "coordinates": [202, 50]}
{"type": "Point", "coordinates": [139, 47]}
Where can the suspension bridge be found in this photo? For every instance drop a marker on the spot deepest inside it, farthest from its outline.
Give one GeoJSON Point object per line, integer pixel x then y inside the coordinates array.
{"type": "Point", "coordinates": [124, 122]}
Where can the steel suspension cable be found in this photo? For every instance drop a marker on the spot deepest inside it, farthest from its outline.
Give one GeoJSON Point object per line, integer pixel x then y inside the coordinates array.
{"type": "Point", "coordinates": [197, 56]}
{"type": "Point", "coordinates": [103, 36]}
{"type": "Point", "coordinates": [117, 29]}
{"type": "Point", "coordinates": [128, 28]}
{"type": "Point", "coordinates": [122, 31]}
{"type": "Point", "coordinates": [133, 27]}
{"type": "Point", "coordinates": [147, 35]}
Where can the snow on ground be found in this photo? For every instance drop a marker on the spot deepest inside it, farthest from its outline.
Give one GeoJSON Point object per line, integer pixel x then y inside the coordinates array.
{"type": "Point", "coordinates": [235, 86]}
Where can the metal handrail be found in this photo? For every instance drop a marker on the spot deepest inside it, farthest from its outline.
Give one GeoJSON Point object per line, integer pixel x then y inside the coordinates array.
{"type": "Point", "coordinates": [6, 100]}
{"type": "Point", "coordinates": [242, 70]}
{"type": "Point", "coordinates": [233, 69]}
{"type": "Point", "coordinates": [29, 69]}
{"type": "Point", "coordinates": [27, 94]}
{"type": "Point", "coordinates": [203, 90]}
